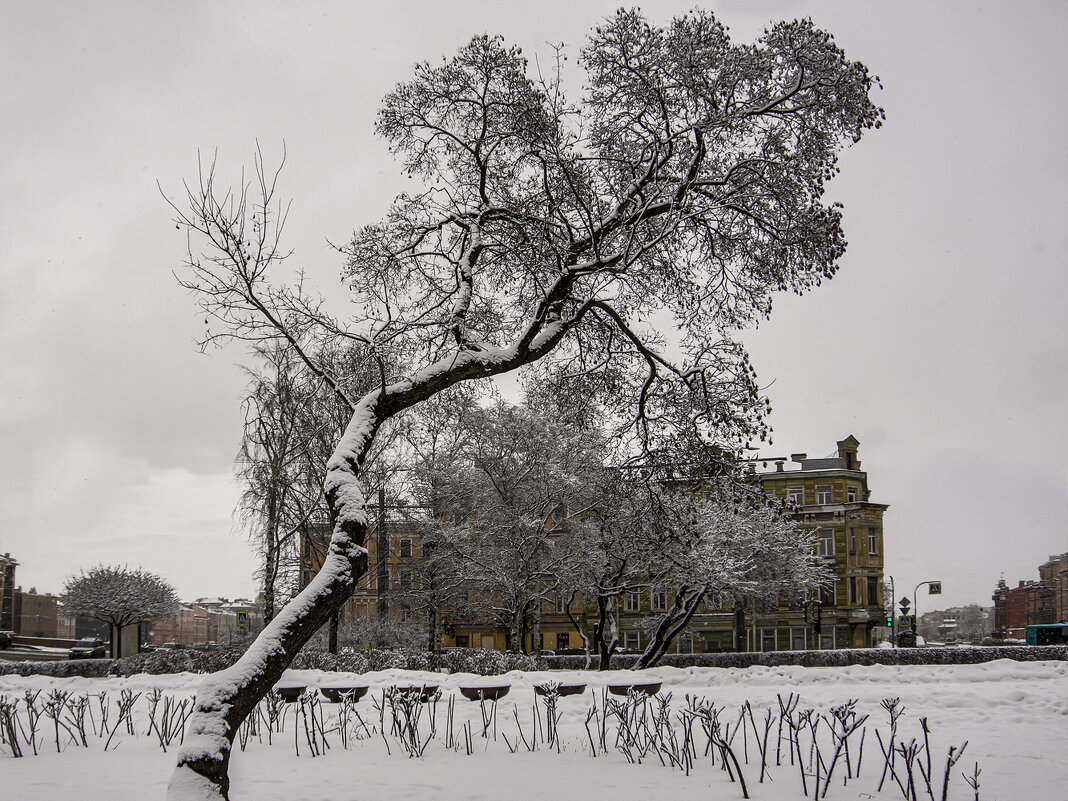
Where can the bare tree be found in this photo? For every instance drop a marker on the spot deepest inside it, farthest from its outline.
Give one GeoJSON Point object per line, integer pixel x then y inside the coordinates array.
{"type": "Point", "coordinates": [681, 191]}
{"type": "Point", "coordinates": [617, 538]}
{"type": "Point", "coordinates": [282, 491]}
{"type": "Point", "coordinates": [733, 548]}
{"type": "Point", "coordinates": [118, 596]}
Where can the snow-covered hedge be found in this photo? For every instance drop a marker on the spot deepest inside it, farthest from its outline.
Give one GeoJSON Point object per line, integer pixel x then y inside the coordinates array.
{"type": "Point", "coordinates": [466, 660]}
{"type": "Point", "coordinates": [836, 658]}
{"type": "Point", "coordinates": [87, 668]}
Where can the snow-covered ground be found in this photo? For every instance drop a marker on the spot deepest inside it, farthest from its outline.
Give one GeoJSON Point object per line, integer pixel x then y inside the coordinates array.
{"type": "Point", "coordinates": [1014, 716]}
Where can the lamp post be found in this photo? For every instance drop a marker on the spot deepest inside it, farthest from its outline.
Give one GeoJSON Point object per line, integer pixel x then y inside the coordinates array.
{"type": "Point", "coordinates": [934, 588]}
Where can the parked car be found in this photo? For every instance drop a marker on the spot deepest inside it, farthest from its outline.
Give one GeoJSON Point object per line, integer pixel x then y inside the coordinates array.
{"type": "Point", "coordinates": [88, 648]}
{"type": "Point", "coordinates": [5, 638]}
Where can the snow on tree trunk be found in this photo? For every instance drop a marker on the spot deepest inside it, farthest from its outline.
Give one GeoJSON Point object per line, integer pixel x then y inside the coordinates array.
{"type": "Point", "coordinates": [225, 699]}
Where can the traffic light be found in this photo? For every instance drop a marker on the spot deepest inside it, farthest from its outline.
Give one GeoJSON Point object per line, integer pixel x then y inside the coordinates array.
{"type": "Point", "coordinates": [817, 623]}
{"type": "Point", "coordinates": [890, 620]}
{"type": "Point", "coordinates": [450, 630]}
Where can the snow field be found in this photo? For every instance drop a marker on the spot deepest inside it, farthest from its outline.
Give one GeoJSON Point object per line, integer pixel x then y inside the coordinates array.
{"type": "Point", "coordinates": [1014, 716]}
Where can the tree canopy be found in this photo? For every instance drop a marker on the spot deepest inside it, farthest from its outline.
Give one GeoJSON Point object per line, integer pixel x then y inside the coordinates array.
{"type": "Point", "coordinates": [558, 233]}
{"type": "Point", "coordinates": [118, 595]}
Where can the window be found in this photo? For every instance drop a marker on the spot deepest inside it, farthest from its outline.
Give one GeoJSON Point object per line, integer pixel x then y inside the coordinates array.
{"type": "Point", "coordinates": [712, 646]}
{"type": "Point", "coordinates": [767, 639]}
{"type": "Point", "coordinates": [873, 591]}
{"type": "Point", "coordinates": [631, 640]}
{"type": "Point", "coordinates": [852, 541]}
{"type": "Point", "coordinates": [561, 604]}
{"type": "Point", "coordinates": [797, 639]}
{"type": "Point", "coordinates": [405, 549]}
{"type": "Point", "coordinates": [873, 541]}
{"type": "Point", "coordinates": [713, 601]}
{"type": "Point", "coordinates": [630, 602]}
{"type": "Point", "coordinates": [823, 495]}
{"type": "Point", "coordinates": [827, 640]}
{"type": "Point", "coordinates": [462, 641]}
{"type": "Point", "coordinates": [686, 644]}
{"type": "Point", "coordinates": [854, 595]}
{"type": "Point", "coordinates": [563, 640]}
{"type": "Point", "coordinates": [405, 582]}
{"type": "Point", "coordinates": [851, 494]}
{"type": "Point", "coordinates": [827, 596]}
{"type": "Point", "coordinates": [659, 600]}
{"type": "Point", "coordinates": [796, 496]}
{"type": "Point", "coordinates": [825, 542]}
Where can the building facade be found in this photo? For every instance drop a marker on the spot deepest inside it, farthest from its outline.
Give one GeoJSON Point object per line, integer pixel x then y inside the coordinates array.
{"type": "Point", "coordinates": [7, 592]}
{"type": "Point", "coordinates": [36, 614]}
{"type": "Point", "coordinates": [1032, 603]}
{"type": "Point", "coordinates": [831, 496]}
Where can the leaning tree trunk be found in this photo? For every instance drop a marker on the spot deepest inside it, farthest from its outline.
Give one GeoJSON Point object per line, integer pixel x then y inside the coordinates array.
{"type": "Point", "coordinates": [671, 624]}
{"type": "Point", "coordinates": [225, 699]}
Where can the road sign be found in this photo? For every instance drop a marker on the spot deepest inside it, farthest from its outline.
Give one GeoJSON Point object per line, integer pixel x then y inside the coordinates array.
{"type": "Point", "coordinates": [905, 621]}
{"type": "Point", "coordinates": [242, 618]}
{"type": "Point", "coordinates": [905, 602]}
{"type": "Point", "coordinates": [934, 588]}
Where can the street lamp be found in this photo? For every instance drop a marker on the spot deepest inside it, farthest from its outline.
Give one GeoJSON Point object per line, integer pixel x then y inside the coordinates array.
{"type": "Point", "coordinates": [934, 587]}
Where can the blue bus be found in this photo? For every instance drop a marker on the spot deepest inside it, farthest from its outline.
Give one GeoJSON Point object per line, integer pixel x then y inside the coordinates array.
{"type": "Point", "coordinates": [1048, 634]}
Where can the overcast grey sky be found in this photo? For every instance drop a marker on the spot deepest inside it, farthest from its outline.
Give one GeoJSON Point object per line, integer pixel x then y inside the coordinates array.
{"type": "Point", "coordinates": [942, 344]}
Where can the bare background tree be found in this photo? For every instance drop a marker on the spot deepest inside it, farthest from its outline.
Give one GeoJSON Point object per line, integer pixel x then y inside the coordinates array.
{"type": "Point", "coordinates": [678, 193]}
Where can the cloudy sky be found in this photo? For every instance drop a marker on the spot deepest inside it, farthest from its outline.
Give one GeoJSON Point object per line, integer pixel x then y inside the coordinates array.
{"type": "Point", "coordinates": [942, 345]}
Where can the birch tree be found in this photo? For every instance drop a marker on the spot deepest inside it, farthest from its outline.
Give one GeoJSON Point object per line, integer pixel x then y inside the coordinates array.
{"type": "Point", "coordinates": [679, 191]}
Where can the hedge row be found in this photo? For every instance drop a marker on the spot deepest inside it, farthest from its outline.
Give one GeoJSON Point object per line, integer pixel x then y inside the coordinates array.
{"type": "Point", "coordinates": [492, 663]}
{"type": "Point", "coordinates": [836, 658]}
{"type": "Point", "coordinates": [86, 668]}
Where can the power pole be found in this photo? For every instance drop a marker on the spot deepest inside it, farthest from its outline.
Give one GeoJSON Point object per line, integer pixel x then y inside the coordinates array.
{"type": "Point", "coordinates": [382, 577]}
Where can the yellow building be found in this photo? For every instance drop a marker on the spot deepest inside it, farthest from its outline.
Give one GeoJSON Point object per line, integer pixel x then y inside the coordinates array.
{"type": "Point", "coordinates": [831, 496]}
